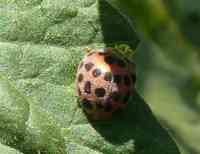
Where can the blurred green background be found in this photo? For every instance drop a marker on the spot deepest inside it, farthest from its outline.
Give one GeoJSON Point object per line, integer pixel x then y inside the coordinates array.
{"type": "Point", "coordinates": [168, 64]}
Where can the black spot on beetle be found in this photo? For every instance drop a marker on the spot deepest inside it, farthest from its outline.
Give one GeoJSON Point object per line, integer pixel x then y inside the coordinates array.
{"type": "Point", "coordinates": [89, 66]}
{"type": "Point", "coordinates": [120, 62]}
{"type": "Point", "coordinates": [80, 77]}
{"type": "Point", "coordinates": [100, 92]}
{"type": "Point", "coordinates": [104, 53]}
{"type": "Point", "coordinates": [115, 96]}
{"type": "Point", "coordinates": [87, 104]}
{"type": "Point", "coordinates": [117, 79]}
{"type": "Point", "coordinates": [96, 72]}
{"type": "Point", "coordinates": [108, 76]}
{"type": "Point", "coordinates": [127, 80]}
{"type": "Point", "coordinates": [87, 87]}
{"type": "Point", "coordinates": [110, 59]}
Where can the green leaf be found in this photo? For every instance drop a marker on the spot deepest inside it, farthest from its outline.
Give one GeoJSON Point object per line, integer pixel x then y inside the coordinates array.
{"type": "Point", "coordinates": [155, 22]}
{"type": "Point", "coordinates": [174, 28]}
{"type": "Point", "coordinates": [8, 150]}
{"type": "Point", "coordinates": [41, 45]}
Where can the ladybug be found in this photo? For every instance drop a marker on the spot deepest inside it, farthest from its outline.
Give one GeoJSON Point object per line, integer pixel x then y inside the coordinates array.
{"type": "Point", "coordinates": [105, 81]}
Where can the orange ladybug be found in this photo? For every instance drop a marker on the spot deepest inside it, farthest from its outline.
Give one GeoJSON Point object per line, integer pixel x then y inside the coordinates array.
{"type": "Point", "coordinates": [105, 80]}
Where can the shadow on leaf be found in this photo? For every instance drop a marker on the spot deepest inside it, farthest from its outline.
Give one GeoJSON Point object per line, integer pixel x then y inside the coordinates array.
{"type": "Point", "coordinates": [137, 125]}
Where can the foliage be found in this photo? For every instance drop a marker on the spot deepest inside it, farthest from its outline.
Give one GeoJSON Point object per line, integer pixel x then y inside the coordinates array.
{"type": "Point", "coordinates": [41, 45]}
{"type": "Point", "coordinates": [169, 76]}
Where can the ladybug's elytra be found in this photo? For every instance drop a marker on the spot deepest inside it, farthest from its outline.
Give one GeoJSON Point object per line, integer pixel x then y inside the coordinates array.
{"type": "Point", "coordinates": [105, 81]}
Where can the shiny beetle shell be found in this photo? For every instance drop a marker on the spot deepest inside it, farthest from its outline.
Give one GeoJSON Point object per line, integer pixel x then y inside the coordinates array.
{"type": "Point", "coordinates": [104, 82]}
